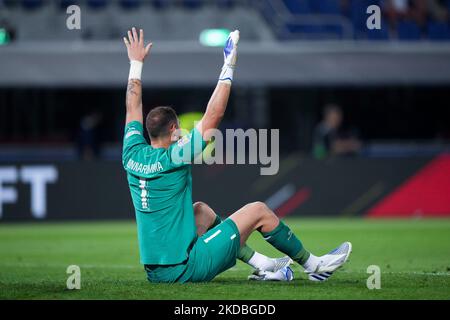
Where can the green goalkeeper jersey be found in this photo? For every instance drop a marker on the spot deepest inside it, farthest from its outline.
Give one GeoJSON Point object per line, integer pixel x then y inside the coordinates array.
{"type": "Point", "coordinates": [160, 183]}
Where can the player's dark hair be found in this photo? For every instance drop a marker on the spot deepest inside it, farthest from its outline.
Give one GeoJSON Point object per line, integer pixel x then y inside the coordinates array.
{"type": "Point", "coordinates": [159, 120]}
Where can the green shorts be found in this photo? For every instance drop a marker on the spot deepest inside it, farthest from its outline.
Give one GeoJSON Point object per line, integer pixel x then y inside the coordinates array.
{"type": "Point", "coordinates": [212, 253]}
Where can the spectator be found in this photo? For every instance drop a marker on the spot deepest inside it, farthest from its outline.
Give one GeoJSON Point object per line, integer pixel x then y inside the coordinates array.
{"type": "Point", "coordinates": [330, 138]}
{"type": "Point", "coordinates": [396, 10]}
{"type": "Point", "coordinates": [418, 11]}
{"type": "Point", "coordinates": [89, 136]}
{"type": "Point", "coordinates": [400, 10]}
{"type": "Point", "coordinates": [438, 10]}
{"type": "Point", "coordinates": [7, 28]}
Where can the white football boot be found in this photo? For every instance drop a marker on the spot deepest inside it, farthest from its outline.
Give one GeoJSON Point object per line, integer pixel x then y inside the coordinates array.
{"type": "Point", "coordinates": [329, 263]}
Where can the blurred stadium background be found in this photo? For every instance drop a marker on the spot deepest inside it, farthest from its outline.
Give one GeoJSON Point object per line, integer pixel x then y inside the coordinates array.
{"type": "Point", "coordinates": [363, 114]}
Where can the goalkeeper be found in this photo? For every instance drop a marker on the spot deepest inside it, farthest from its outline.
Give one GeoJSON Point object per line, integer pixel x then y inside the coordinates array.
{"type": "Point", "coordinates": [184, 242]}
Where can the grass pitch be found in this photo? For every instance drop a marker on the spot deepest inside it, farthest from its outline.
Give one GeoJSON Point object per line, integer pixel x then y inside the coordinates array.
{"type": "Point", "coordinates": [414, 257]}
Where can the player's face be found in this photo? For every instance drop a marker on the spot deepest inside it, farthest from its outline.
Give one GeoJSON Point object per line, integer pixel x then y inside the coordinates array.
{"type": "Point", "coordinates": [334, 118]}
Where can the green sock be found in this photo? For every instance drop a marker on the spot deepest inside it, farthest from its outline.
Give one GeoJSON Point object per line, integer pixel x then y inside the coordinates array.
{"type": "Point", "coordinates": [283, 239]}
{"type": "Point", "coordinates": [245, 253]}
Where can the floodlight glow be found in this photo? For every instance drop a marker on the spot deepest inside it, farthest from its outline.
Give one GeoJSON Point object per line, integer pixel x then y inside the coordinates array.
{"type": "Point", "coordinates": [4, 38]}
{"type": "Point", "coordinates": [214, 37]}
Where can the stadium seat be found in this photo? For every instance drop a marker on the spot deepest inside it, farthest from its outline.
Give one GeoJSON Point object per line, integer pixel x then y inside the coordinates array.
{"type": "Point", "coordinates": [32, 4]}
{"type": "Point", "coordinates": [268, 16]}
{"type": "Point", "coordinates": [408, 30]}
{"type": "Point", "coordinates": [307, 31]}
{"type": "Point", "coordinates": [43, 24]}
{"type": "Point", "coordinates": [381, 34]}
{"type": "Point", "coordinates": [159, 4]}
{"type": "Point", "coordinates": [227, 4]}
{"type": "Point", "coordinates": [9, 3]}
{"type": "Point", "coordinates": [358, 16]}
{"type": "Point", "coordinates": [97, 4]}
{"type": "Point", "coordinates": [319, 32]}
{"type": "Point", "coordinates": [130, 4]}
{"type": "Point", "coordinates": [63, 4]}
{"type": "Point", "coordinates": [98, 21]}
{"type": "Point", "coordinates": [298, 6]}
{"type": "Point", "coordinates": [326, 6]}
{"type": "Point", "coordinates": [334, 31]}
{"type": "Point", "coordinates": [438, 31]}
{"type": "Point", "coordinates": [192, 4]}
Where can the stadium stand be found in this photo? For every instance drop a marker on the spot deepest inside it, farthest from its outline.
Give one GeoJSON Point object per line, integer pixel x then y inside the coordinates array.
{"type": "Point", "coordinates": [96, 63]}
{"type": "Point", "coordinates": [103, 20]}
{"type": "Point", "coordinates": [438, 31]}
{"type": "Point", "coordinates": [284, 19]}
{"type": "Point", "coordinates": [408, 30]}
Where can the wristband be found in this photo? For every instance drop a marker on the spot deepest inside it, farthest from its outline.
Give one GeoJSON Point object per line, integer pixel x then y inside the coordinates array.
{"type": "Point", "coordinates": [135, 70]}
{"type": "Point", "coordinates": [226, 76]}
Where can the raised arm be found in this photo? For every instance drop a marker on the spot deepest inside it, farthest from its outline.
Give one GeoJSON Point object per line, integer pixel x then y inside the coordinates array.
{"type": "Point", "coordinates": [219, 99]}
{"type": "Point", "coordinates": [137, 53]}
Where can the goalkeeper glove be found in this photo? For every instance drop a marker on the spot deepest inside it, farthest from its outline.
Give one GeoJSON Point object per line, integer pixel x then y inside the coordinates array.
{"type": "Point", "coordinates": [284, 274]}
{"type": "Point", "coordinates": [230, 57]}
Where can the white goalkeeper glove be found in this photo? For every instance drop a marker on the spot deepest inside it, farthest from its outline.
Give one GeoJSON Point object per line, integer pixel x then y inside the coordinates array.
{"type": "Point", "coordinates": [284, 274]}
{"type": "Point", "coordinates": [230, 57]}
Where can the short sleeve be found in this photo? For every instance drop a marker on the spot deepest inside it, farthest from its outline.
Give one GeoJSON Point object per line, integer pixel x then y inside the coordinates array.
{"type": "Point", "coordinates": [185, 150]}
{"type": "Point", "coordinates": [133, 139]}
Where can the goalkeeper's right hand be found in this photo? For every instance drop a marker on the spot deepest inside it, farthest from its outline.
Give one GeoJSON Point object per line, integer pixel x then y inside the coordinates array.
{"type": "Point", "coordinates": [230, 57]}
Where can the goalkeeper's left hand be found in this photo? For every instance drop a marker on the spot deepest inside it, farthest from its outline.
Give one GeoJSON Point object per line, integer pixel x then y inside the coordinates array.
{"type": "Point", "coordinates": [284, 274]}
{"type": "Point", "coordinates": [230, 57]}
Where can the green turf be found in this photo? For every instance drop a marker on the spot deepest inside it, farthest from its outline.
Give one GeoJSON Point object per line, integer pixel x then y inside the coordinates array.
{"type": "Point", "coordinates": [414, 257]}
